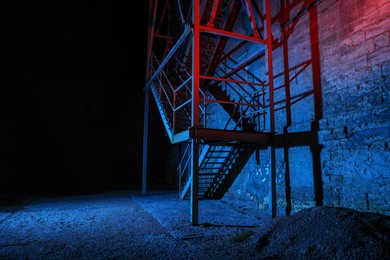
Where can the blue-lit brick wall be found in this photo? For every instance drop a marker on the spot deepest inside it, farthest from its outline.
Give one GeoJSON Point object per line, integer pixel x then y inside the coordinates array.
{"type": "Point", "coordinates": [353, 40]}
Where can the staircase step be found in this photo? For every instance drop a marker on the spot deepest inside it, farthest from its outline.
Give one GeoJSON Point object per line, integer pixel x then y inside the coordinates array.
{"type": "Point", "coordinates": [210, 168]}
{"type": "Point", "coordinates": [215, 162]}
{"type": "Point", "coordinates": [214, 175]}
{"type": "Point", "coordinates": [203, 179]}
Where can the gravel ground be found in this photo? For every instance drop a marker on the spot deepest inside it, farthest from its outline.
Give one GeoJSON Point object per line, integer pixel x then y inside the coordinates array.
{"type": "Point", "coordinates": [326, 233]}
{"type": "Point", "coordinates": [127, 225]}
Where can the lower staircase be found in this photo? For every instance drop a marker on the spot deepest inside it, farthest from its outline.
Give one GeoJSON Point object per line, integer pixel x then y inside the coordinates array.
{"type": "Point", "coordinates": [219, 166]}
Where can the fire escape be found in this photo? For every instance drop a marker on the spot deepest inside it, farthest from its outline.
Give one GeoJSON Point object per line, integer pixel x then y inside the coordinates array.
{"type": "Point", "coordinates": [204, 74]}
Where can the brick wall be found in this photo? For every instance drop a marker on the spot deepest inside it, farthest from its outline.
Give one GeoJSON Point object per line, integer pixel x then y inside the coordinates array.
{"type": "Point", "coordinates": [339, 62]}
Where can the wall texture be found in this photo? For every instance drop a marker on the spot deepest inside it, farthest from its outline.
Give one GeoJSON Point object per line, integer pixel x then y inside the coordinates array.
{"type": "Point", "coordinates": [333, 69]}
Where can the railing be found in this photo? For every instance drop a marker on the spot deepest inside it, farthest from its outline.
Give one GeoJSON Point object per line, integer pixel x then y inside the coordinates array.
{"type": "Point", "coordinates": [249, 106]}
{"type": "Point", "coordinates": [184, 168]}
{"type": "Point", "coordinates": [176, 92]}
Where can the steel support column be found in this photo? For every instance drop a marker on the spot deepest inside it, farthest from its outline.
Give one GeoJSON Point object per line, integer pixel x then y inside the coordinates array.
{"type": "Point", "coordinates": [194, 182]}
{"type": "Point", "coordinates": [145, 143]}
{"type": "Point", "coordinates": [152, 18]}
{"type": "Point", "coordinates": [285, 8]}
{"type": "Point", "coordinates": [195, 109]}
{"type": "Point", "coordinates": [271, 109]}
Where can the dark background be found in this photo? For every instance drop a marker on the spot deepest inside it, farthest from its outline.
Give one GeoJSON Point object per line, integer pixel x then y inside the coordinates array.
{"type": "Point", "coordinates": [71, 96]}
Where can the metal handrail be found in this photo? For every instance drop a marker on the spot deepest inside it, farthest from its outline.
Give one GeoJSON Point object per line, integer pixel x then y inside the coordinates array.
{"type": "Point", "coordinates": [187, 30]}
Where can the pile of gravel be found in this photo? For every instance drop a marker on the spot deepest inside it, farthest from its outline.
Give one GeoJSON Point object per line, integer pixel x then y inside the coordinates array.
{"type": "Point", "coordinates": [325, 233]}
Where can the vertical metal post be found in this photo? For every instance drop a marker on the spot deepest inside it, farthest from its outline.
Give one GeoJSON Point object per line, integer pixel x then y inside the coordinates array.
{"type": "Point", "coordinates": [194, 182]}
{"type": "Point", "coordinates": [183, 21]}
{"type": "Point", "coordinates": [195, 63]}
{"type": "Point", "coordinates": [285, 6]}
{"type": "Point", "coordinates": [317, 87]}
{"type": "Point", "coordinates": [272, 109]}
{"type": "Point", "coordinates": [210, 23]}
{"type": "Point", "coordinates": [251, 17]}
{"type": "Point", "coordinates": [152, 20]}
{"type": "Point", "coordinates": [316, 68]}
{"type": "Point", "coordinates": [145, 143]}
{"type": "Point", "coordinates": [195, 110]}
{"type": "Point", "coordinates": [285, 9]}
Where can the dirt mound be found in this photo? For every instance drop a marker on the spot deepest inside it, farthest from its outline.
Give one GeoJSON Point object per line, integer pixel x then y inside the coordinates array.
{"type": "Point", "coordinates": [326, 233]}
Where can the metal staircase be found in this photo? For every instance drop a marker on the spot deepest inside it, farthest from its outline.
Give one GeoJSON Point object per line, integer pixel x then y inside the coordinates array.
{"type": "Point", "coordinates": [182, 95]}
{"type": "Point", "coordinates": [219, 166]}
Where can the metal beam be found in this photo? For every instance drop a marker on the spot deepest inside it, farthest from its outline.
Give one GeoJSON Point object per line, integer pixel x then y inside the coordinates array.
{"type": "Point", "coordinates": [231, 34]}
{"type": "Point", "coordinates": [226, 135]}
{"type": "Point", "coordinates": [234, 81]}
{"type": "Point", "coordinates": [306, 138]}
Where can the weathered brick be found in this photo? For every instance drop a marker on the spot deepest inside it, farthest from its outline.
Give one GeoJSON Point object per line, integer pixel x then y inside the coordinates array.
{"type": "Point", "coordinates": [354, 128]}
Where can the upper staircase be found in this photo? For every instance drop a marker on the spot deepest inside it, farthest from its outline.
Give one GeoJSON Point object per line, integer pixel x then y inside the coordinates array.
{"type": "Point", "coordinates": [220, 159]}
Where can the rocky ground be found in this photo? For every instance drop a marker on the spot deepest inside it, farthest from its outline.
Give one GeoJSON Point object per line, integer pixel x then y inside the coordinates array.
{"type": "Point", "coordinates": [128, 225]}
